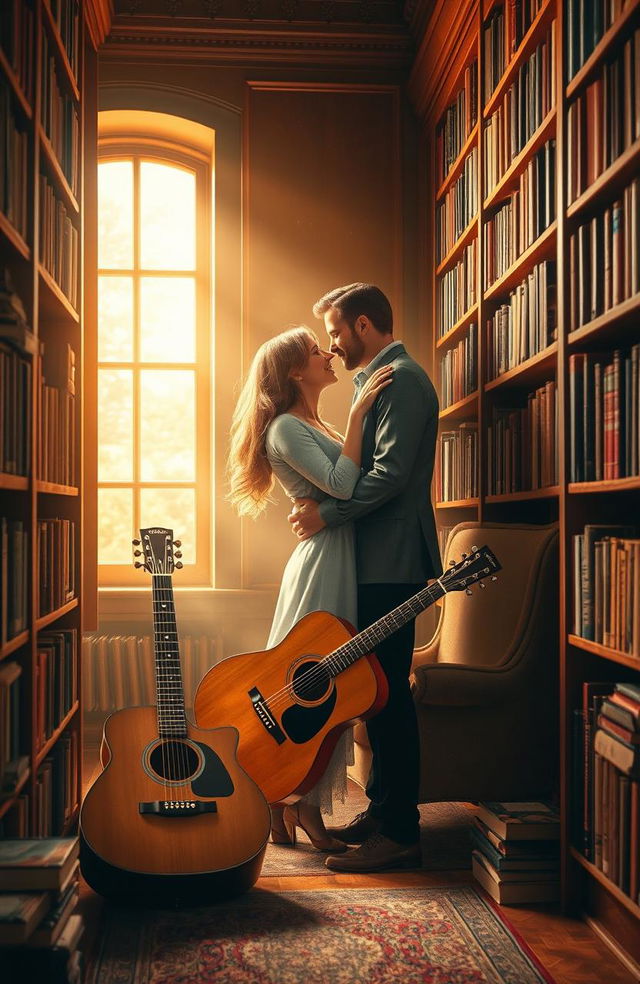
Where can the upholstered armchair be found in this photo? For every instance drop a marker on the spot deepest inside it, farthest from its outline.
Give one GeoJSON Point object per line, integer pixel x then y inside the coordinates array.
{"type": "Point", "coordinates": [486, 686]}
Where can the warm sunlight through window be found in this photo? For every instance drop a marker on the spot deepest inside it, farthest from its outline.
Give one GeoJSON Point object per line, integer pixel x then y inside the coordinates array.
{"type": "Point", "coordinates": [153, 358]}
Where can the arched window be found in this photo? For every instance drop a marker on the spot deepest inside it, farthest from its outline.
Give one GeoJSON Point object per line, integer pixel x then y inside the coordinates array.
{"type": "Point", "coordinates": [154, 352]}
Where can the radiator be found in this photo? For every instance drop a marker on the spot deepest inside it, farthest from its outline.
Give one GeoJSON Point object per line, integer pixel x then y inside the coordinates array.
{"type": "Point", "coordinates": [119, 670]}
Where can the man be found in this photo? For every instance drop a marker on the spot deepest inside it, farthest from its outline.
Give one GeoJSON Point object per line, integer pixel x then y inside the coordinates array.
{"type": "Point", "coordinates": [397, 552]}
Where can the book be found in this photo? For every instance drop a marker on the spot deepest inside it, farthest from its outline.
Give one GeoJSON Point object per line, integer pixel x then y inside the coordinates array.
{"type": "Point", "coordinates": [510, 893]}
{"type": "Point", "coordinates": [20, 913]}
{"type": "Point", "coordinates": [521, 821]}
{"type": "Point", "coordinates": [37, 863]}
{"type": "Point", "coordinates": [624, 757]}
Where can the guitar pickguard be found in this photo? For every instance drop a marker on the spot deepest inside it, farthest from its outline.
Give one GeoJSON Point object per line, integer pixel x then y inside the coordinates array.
{"type": "Point", "coordinates": [214, 780]}
{"type": "Point", "coordinates": [303, 723]}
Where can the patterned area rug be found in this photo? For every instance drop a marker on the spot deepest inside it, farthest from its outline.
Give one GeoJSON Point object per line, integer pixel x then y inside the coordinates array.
{"type": "Point", "coordinates": [359, 936]}
{"type": "Point", "coordinates": [444, 835]}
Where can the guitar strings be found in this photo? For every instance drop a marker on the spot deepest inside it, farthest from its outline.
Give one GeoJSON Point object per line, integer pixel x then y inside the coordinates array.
{"type": "Point", "coordinates": [170, 678]}
{"type": "Point", "coordinates": [156, 607]}
{"type": "Point", "coordinates": [318, 671]}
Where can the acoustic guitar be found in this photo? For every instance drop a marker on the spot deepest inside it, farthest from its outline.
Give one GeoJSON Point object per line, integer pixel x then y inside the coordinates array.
{"type": "Point", "coordinates": [291, 703]}
{"type": "Point", "coordinates": [173, 818]}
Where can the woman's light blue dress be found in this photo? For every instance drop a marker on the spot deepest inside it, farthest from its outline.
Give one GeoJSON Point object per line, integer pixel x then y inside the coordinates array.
{"type": "Point", "coordinates": [321, 573]}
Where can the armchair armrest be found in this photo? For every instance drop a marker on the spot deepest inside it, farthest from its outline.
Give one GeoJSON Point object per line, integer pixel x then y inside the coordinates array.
{"type": "Point", "coordinates": [457, 685]}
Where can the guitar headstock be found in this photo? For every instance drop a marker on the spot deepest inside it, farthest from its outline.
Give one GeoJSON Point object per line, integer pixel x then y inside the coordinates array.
{"type": "Point", "coordinates": [474, 568]}
{"type": "Point", "coordinates": [159, 556]}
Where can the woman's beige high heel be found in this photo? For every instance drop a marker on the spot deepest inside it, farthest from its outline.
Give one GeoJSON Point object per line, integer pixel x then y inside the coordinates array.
{"type": "Point", "coordinates": [279, 832]}
{"type": "Point", "coordinates": [291, 819]}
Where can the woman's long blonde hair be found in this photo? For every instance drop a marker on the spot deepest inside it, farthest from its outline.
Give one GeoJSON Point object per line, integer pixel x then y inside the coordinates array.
{"type": "Point", "coordinates": [269, 390]}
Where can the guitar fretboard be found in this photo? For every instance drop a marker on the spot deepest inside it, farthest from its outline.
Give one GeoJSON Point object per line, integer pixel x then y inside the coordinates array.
{"type": "Point", "coordinates": [172, 721]}
{"type": "Point", "coordinates": [367, 640]}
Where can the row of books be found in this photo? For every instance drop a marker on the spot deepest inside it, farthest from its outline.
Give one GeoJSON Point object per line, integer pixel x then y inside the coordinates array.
{"type": "Point", "coordinates": [56, 449]}
{"type": "Point", "coordinates": [58, 242]}
{"type": "Point", "coordinates": [456, 464]}
{"type": "Point", "coordinates": [605, 259]}
{"type": "Point", "coordinates": [457, 290]}
{"type": "Point", "coordinates": [56, 563]}
{"type": "Point", "coordinates": [15, 410]}
{"type": "Point", "coordinates": [59, 118]}
{"type": "Point", "coordinates": [457, 123]}
{"type": "Point", "coordinates": [55, 681]}
{"type": "Point", "coordinates": [493, 50]}
{"type": "Point", "coordinates": [56, 787]}
{"type": "Point", "coordinates": [521, 444]}
{"type": "Point", "coordinates": [606, 586]}
{"type": "Point", "coordinates": [524, 217]}
{"type": "Point", "coordinates": [586, 22]}
{"type": "Point", "coordinates": [516, 851]}
{"type": "Point", "coordinates": [523, 109]}
{"type": "Point", "coordinates": [39, 930]}
{"type": "Point", "coordinates": [458, 369]}
{"type": "Point", "coordinates": [604, 396]}
{"type": "Point", "coordinates": [458, 208]}
{"type": "Point", "coordinates": [605, 779]}
{"type": "Point", "coordinates": [14, 578]}
{"type": "Point", "coordinates": [66, 16]}
{"type": "Point", "coordinates": [14, 163]}
{"type": "Point", "coordinates": [526, 324]}
{"type": "Point", "coordinates": [13, 765]}
{"type": "Point", "coordinates": [604, 120]}
{"type": "Point", "coordinates": [16, 41]}
{"type": "Point", "coordinates": [119, 671]}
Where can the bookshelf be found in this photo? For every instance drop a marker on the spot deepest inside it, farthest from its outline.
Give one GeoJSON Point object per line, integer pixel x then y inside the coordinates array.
{"type": "Point", "coordinates": [47, 79]}
{"type": "Point", "coordinates": [608, 322]}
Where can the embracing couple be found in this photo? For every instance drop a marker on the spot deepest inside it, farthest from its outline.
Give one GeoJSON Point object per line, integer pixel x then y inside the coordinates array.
{"type": "Point", "coordinates": [366, 538]}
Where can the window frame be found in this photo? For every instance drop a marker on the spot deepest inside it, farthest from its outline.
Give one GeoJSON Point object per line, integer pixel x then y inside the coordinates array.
{"type": "Point", "coordinates": [164, 151]}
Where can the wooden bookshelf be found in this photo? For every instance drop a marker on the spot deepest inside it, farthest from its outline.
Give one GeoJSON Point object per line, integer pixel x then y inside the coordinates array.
{"type": "Point", "coordinates": [55, 322]}
{"type": "Point", "coordinates": [456, 167]}
{"type": "Point", "coordinates": [529, 372]}
{"type": "Point", "coordinates": [605, 652]}
{"type": "Point", "coordinates": [458, 247]}
{"type": "Point", "coordinates": [571, 505]}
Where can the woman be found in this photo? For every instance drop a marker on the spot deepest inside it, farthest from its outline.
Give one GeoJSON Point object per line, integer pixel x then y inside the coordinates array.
{"type": "Point", "coordinates": [277, 432]}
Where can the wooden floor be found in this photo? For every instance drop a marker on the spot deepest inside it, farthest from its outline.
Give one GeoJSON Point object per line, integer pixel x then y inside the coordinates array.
{"type": "Point", "coordinates": [566, 947]}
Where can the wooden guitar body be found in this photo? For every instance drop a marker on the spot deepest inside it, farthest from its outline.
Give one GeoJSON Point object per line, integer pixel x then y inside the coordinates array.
{"type": "Point", "coordinates": [287, 735]}
{"type": "Point", "coordinates": [198, 837]}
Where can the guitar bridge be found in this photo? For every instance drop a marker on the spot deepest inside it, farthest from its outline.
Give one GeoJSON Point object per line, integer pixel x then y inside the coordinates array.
{"type": "Point", "coordinates": [177, 808]}
{"type": "Point", "coordinates": [265, 716]}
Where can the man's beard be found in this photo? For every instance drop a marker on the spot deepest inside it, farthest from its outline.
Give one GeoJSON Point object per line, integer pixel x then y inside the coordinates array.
{"type": "Point", "coordinates": [353, 357]}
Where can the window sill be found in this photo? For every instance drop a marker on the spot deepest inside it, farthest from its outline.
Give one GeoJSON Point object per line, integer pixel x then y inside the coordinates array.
{"type": "Point", "coordinates": [121, 604]}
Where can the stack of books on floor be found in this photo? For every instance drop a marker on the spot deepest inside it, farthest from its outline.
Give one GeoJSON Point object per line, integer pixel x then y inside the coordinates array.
{"type": "Point", "coordinates": [39, 933]}
{"type": "Point", "coordinates": [516, 855]}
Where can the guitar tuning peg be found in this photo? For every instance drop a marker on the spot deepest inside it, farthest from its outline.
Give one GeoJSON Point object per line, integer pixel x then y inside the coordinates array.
{"type": "Point", "coordinates": [177, 554]}
{"type": "Point", "coordinates": [464, 556]}
{"type": "Point", "coordinates": [177, 543]}
{"type": "Point", "coordinates": [494, 578]}
{"type": "Point", "coordinates": [137, 553]}
{"type": "Point", "coordinates": [452, 563]}
{"type": "Point", "coordinates": [136, 543]}
{"type": "Point", "coordinates": [469, 591]}
{"type": "Point", "coordinates": [482, 585]}
{"type": "Point", "coordinates": [138, 564]}
{"type": "Point", "coordinates": [179, 565]}
{"type": "Point", "coordinates": [473, 549]}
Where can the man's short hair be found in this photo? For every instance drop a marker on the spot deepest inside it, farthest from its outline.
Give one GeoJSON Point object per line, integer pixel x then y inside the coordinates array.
{"type": "Point", "coordinates": [353, 300]}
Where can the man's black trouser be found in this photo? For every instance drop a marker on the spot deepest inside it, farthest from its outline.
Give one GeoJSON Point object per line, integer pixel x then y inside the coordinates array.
{"type": "Point", "coordinates": [393, 780]}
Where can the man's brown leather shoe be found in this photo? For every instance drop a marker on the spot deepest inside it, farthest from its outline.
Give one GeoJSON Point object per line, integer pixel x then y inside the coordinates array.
{"type": "Point", "coordinates": [358, 830]}
{"type": "Point", "coordinates": [378, 853]}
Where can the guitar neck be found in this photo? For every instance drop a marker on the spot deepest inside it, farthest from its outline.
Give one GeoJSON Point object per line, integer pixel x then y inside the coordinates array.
{"type": "Point", "coordinates": [172, 721]}
{"type": "Point", "coordinates": [367, 640]}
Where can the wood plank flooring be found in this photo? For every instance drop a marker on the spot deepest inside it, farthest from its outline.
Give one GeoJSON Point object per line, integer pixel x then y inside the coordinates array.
{"type": "Point", "coordinates": [568, 948]}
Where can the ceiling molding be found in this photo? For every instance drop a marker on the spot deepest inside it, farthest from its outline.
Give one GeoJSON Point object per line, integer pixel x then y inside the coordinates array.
{"type": "Point", "coordinates": [261, 43]}
{"type": "Point", "coordinates": [99, 15]}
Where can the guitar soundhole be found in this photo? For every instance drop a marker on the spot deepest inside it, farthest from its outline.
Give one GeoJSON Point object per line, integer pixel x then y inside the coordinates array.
{"type": "Point", "coordinates": [174, 761]}
{"type": "Point", "coordinates": [311, 682]}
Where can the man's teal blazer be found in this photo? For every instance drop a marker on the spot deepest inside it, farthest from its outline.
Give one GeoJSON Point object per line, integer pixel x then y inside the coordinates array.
{"type": "Point", "coordinates": [396, 540]}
